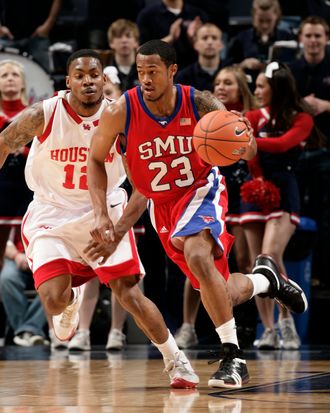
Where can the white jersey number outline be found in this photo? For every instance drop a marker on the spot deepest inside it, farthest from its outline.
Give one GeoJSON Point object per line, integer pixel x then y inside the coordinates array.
{"type": "Point", "coordinates": [186, 172]}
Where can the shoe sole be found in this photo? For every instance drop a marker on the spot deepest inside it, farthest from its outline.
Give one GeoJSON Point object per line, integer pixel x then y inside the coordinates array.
{"type": "Point", "coordinates": [183, 384]}
{"type": "Point", "coordinates": [220, 383]}
{"type": "Point", "coordinates": [74, 348]}
{"type": "Point", "coordinates": [266, 347]}
{"type": "Point", "coordinates": [303, 296]}
{"type": "Point", "coordinates": [114, 348]}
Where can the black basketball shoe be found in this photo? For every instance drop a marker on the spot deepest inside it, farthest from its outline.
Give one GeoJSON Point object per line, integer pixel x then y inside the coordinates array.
{"type": "Point", "coordinates": [232, 371]}
{"type": "Point", "coordinates": [285, 291]}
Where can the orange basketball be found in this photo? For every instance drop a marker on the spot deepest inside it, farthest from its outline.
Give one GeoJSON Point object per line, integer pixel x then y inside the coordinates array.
{"type": "Point", "coordinates": [219, 136]}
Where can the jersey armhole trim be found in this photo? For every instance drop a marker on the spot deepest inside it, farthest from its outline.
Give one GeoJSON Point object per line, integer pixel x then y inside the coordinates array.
{"type": "Point", "coordinates": [128, 113]}
{"type": "Point", "coordinates": [193, 104]}
{"type": "Point", "coordinates": [48, 129]}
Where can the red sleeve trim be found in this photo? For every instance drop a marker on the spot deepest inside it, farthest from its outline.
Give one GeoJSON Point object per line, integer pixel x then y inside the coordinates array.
{"type": "Point", "coordinates": [48, 129]}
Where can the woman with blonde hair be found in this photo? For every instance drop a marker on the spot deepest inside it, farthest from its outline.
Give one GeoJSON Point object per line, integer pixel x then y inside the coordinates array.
{"type": "Point", "coordinates": [13, 100]}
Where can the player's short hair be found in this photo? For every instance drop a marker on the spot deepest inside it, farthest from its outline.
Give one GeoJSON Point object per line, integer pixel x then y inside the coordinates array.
{"type": "Point", "coordinates": [164, 50]}
{"type": "Point", "coordinates": [83, 53]}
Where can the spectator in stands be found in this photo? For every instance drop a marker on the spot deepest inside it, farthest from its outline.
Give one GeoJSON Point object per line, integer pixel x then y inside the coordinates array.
{"type": "Point", "coordinates": [123, 39]}
{"type": "Point", "coordinates": [26, 26]}
{"type": "Point", "coordinates": [312, 74]}
{"type": "Point", "coordinates": [250, 48]}
{"type": "Point", "coordinates": [232, 89]}
{"type": "Point", "coordinates": [208, 45]}
{"type": "Point", "coordinates": [311, 71]}
{"type": "Point", "coordinates": [27, 319]}
{"type": "Point", "coordinates": [282, 126]}
{"type": "Point", "coordinates": [14, 193]}
{"type": "Point", "coordinates": [175, 22]}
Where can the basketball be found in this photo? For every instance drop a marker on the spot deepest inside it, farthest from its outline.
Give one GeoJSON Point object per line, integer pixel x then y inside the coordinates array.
{"type": "Point", "coordinates": [219, 137]}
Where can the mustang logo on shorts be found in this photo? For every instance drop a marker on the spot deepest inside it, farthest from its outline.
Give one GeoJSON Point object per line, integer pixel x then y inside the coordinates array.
{"type": "Point", "coordinates": [207, 219]}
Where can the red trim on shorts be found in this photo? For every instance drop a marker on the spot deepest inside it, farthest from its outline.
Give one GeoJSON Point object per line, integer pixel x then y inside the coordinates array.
{"type": "Point", "coordinates": [48, 129]}
{"type": "Point", "coordinates": [130, 267]}
{"type": "Point", "coordinates": [80, 273]}
{"type": "Point", "coordinates": [25, 240]}
{"type": "Point", "coordinates": [125, 269]}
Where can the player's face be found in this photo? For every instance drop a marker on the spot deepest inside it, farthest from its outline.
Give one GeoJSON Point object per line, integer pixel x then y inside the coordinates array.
{"type": "Point", "coordinates": [314, 39]}
{"type": "Point", "coordinates": [86, 80]}
{"type": "Point", "coordinates": [11, 81]}
{"type": "Point", "coordinates": [226, 88]}
{"type": "Point", "coordinates": [263, 91]}
{"type": "Point", "coordinates": [155, 78]}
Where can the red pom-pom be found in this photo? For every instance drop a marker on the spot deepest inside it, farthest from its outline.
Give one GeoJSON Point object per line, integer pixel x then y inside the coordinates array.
{"type": "Point", "coordinates": [264, 194]}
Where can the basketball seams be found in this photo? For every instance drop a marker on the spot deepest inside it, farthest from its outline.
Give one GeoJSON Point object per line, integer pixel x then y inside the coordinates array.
{"type": "Point", "coordinates": [205, 147]}
{"type": "Point", "coordinates": [215, 142]}
{"type": "Point", "coordinates": [222, 126]}
{"type": "Point", "coordinates": [209, 120]}
{"type": "Point", "coordinates": [209, 138]}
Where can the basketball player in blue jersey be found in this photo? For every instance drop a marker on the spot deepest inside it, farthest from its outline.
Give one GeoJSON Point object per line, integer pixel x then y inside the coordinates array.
{"type": "Point", "coordinates": [187, 200]}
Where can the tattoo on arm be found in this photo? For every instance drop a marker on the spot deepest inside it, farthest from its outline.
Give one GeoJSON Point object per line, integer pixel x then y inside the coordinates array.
{"type": "Point", "coordinates": [206, 102]}
{"type": "Point", "coordinates": [23, 129]}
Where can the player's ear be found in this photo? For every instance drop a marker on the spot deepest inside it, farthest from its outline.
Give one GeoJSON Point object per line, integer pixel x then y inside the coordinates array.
{"type": "Point", "coordinates": [174, 69]}
{"type": "Point", "coordinates": [67, 82]}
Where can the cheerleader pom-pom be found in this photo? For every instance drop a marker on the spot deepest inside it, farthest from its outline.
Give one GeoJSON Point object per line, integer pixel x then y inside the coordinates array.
{"type": "Point", "coordinates": [264, 194]}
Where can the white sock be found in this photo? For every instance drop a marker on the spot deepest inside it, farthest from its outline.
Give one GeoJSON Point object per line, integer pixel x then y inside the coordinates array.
{"type": "Point", "coordinates": [169, 348]}
{"type": "Point", "coordinates": [260, 284]}
{"type": "Point", "coordinates": [227, 332]}
{"type": "Point", "coordinates": [188, 325]}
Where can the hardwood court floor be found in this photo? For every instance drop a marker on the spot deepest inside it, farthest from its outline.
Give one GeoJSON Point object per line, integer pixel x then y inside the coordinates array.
{"type": "Point", "coordinates": [37, 381]}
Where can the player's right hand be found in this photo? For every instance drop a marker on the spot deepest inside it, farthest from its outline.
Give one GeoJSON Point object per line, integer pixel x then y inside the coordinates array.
{"type": "Point", "coordinates": [103, 230]}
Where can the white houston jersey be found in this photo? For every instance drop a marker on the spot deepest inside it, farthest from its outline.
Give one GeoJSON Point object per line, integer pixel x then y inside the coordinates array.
{"type": "Point", "coordinates": [56, 168]}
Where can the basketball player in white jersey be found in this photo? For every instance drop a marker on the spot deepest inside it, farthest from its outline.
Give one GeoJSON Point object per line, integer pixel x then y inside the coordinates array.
{"type": "Point", "coordinates": [56, 227]}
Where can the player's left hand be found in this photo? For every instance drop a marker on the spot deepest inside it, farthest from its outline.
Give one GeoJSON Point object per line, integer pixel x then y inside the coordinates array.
{"type": "Point", "coordinates": [100, 251]}
{"type": "Point", "coordinates": [248, 152]}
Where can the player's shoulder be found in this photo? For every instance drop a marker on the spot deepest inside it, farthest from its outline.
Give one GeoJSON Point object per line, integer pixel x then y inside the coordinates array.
{"type": "Point", "coordinates": [116, 106]}
{"type": "Point", "coordinates": [114, 113]}
{"type": "Point", "coordinates": [206, 102]}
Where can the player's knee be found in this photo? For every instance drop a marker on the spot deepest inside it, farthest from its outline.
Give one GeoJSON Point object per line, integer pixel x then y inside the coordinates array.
{"type": "Point", "coordinates": [54, 302]}
{"type": "Point", "coordinates": [198, 262]}
{"type": "Point", "coordinates": [125, 290]}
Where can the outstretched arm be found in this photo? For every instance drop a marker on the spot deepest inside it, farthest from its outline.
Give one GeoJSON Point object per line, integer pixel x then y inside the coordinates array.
{"type": "Point", "coordinates": [112, 123]}
{"type": "Point", "coordinates": [22, 130]}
